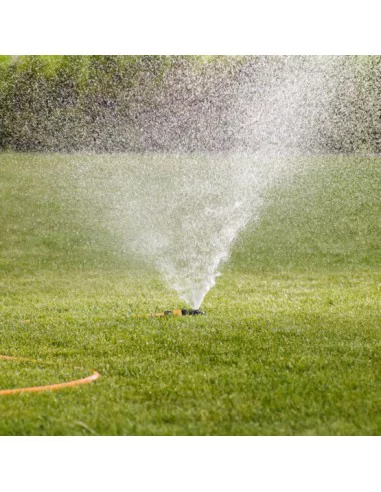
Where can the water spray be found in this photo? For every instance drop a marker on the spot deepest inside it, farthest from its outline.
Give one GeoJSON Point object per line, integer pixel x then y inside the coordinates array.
{"type": "Point", "coordinates": [221, 166]}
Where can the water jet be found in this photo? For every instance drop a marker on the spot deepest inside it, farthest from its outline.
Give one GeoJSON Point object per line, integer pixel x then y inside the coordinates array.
{"type": "Point", "coordinates": [181, 209]}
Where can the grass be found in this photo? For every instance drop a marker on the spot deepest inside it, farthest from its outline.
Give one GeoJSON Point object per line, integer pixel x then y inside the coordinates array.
{"type": "Point", "coordinates": [290, 346]}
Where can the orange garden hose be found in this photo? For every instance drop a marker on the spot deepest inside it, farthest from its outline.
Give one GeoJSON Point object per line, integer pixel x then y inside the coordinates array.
{"type": "Point", "coordinates": [88, 379]}
{"type": "Point", "coordinates": [49, 387]}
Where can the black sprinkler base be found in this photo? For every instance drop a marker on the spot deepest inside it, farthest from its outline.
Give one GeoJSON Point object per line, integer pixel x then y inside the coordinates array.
{"type": "Point", "coordinates": [191, 312]}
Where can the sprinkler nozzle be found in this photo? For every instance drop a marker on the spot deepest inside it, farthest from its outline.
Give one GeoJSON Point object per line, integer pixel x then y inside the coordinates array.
{"type": "Point", "coordinates": [191, 312]}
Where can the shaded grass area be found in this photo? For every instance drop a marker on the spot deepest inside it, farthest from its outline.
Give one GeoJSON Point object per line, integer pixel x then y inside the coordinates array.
{"type": "Point", "coordinates": [290, 344]}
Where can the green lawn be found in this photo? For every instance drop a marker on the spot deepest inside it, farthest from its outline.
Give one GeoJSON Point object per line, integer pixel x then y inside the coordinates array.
{"type": "Point", "coordinates": [291, 343]}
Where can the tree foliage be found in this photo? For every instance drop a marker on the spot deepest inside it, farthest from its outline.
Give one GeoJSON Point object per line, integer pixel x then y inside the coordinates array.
{"type": "Point", "coordinates": [112, 103]}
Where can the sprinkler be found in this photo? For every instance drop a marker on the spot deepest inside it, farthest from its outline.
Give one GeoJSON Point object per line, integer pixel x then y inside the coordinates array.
{"type": "Point", "coordinates": [174, 312]}
{"type": "Point", "coordinates": [183, 312]}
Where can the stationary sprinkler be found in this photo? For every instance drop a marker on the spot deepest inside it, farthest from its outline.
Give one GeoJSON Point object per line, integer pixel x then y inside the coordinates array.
{"type": "Point", "coordinates": [174, 313]}
{"type": "Point", "coordinates": [183, 312]}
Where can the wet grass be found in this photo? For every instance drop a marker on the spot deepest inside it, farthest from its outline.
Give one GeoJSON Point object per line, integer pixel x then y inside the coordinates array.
{"type": "Point", "coordinates": [290, 344]}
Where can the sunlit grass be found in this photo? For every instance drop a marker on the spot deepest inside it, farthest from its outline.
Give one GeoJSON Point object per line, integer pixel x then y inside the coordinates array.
{"type": "Point", "coordinates": [290, 344]}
